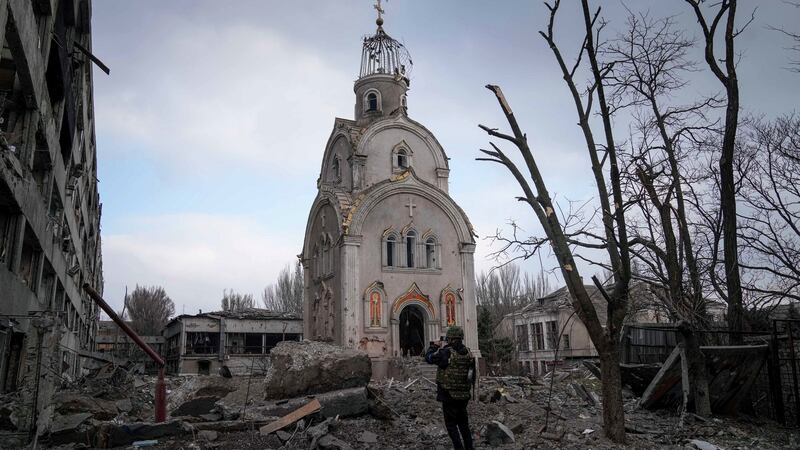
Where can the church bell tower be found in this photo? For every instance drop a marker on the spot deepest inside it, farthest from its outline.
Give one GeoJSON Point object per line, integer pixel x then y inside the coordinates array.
{"type": "Point", "coordinates": [383, 80]}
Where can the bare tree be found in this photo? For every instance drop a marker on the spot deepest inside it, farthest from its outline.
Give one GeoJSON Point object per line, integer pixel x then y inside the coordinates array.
{"type": "Point", "coordinates": [234, 301]}
{"type": "Point", "coordinates": [286, 294]}
{"type": "Point", "coordinates": [613, 238]}
{"type": "Point", "coordinates": [149, 309]}
{"type": "Point", "coordinates": [535, 286]}
{"type": "Point", "coordinates": [650, 64]}
{"type": "Point", "coordinates": [794, 36]}
{"type": "Point", "coordinates": [726, 74]}
{"type": "Point", "coordinates": [506, 288]}
{"type": "Point", "coordinates": [770, 229]}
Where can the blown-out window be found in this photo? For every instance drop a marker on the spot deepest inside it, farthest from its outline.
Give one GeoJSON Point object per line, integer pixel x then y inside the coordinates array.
{"type": "Point", "coordinates": [411, 243]}
{"type": "Point", "coordinates": [372, 101]}
{"type": "Point", "coordinates": [430, 253]}
{"type": "Point", "coordinates": [391, 251]}
{"type": "Point", "coordinates": [402, 159]}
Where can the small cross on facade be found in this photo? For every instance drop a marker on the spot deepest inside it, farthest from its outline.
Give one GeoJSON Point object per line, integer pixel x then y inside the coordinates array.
{"type": "Point", "coordinates": [378, 8]}
{"type": "Point", "coordinates": [411, 207]}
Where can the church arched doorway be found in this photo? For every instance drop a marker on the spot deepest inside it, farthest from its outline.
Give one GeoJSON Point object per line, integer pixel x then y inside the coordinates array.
{"type": "Point", "coordinates": [412, 331]}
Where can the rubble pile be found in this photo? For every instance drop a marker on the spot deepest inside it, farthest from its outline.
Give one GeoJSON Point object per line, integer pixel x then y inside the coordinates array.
{"type": "Point", "coordinates": [307, 367]}
{"type": "Point", "coordinates": [560, 410]}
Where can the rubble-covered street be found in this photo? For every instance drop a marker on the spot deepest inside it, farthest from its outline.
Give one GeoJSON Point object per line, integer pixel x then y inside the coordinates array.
{"type": "Point", "coordinates": [213, 412]}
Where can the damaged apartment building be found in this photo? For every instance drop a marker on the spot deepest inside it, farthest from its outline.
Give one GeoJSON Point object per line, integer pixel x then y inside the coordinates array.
{"type": "Point", "coordinates": [239, 340]}
{"type": "Point", "coordinates": [49, 204]}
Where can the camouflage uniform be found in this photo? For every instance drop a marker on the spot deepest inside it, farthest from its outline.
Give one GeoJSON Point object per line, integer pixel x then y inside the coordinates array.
{"type": "Point", "coordinates": [455, 378]}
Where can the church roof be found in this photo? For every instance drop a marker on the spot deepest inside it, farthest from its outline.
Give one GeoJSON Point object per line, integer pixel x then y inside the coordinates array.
{"type": "Point", "coordinates": [382, 54]}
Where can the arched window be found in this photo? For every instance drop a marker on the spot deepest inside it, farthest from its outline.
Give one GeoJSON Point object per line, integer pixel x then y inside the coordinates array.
{"type": "Point", "coordinates": [372, 101]}
{"type": "Point", "coordinates": [411, 243]}
{"type": "Point", "coordinates": [430, 253]}
{"type": "Point", "coordinates": [402, 159]}
{"type": "Point", "coordinates": [403, 101]}
{"type": "Point", "coordinates": [391, 250]}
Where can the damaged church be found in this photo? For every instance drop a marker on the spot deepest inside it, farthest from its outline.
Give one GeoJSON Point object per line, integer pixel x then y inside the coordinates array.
{"type": "Point", "coordinates": [388, 254]}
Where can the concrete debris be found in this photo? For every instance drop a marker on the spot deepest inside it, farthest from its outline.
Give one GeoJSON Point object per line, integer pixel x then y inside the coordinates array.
{"type": "Point", "coordinates": [111, 434]}
{"type": "Point", "coordinates": [309, 408]}
{"type": "Point", "coordinates": [71, 403]}
{"type": "Point", "coordinates": [284, 435]}
{"type": "Point", "coordinates": [208, 435]}
{"type": "Point", "coordinates": [509, 412]}
{"type": "Point", "coordinates": [368, 437]}
{"type": "Point", "coordinates": [703, 445]}
{"type": "Point", "coordinates": [332, 442]}
{"type": "Point", "coordinates": [498, 434]}
{"type": "Point", "coordinates": [302, 368]}
{"type": "Point", "coordinates": [196, 407]}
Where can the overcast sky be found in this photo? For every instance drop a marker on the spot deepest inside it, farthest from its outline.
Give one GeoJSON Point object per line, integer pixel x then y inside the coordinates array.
{"type": "Point", "coordinates": [211, 127]}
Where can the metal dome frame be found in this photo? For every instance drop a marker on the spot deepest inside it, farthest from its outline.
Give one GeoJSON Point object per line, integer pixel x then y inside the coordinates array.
{"type": "Point", "coordinates": [382, 54]}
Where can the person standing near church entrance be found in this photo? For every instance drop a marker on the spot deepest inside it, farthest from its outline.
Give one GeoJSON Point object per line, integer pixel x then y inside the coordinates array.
{"type": "Point", "coordinates": [455, 378]}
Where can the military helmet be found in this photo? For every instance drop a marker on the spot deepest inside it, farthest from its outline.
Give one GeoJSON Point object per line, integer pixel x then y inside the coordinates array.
{"type": "Point", "coordinates": [455, 332]}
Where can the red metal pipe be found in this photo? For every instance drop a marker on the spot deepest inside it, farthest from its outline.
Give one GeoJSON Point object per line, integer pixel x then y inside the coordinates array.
{"type": "Point", "coordinates": [161, 389]}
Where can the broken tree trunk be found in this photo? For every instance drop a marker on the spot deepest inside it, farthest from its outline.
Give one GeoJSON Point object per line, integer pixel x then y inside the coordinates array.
{"type": "Point", "coordinates": [693, 363]}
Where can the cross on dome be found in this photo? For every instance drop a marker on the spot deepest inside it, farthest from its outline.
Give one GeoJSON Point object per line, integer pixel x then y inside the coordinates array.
{"type": "Point", "coordinates": [380, 10]}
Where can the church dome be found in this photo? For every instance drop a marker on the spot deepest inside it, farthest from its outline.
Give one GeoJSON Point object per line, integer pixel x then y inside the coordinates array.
{"type": "Point", "coordinates": [382, 54]}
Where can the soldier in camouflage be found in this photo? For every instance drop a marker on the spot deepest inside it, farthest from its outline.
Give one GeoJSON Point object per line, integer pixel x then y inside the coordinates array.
{"type": "Point", "coordinates": [455, 379]}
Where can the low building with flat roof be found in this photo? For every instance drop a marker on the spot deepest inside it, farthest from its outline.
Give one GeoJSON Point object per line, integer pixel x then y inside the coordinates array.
{"type": "Point", "coordinates": [241, 340]}
{"type": "Point", "coordinates": [112, 341]}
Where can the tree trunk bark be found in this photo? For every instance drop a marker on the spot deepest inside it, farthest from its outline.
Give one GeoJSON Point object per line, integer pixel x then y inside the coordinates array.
{"type": "Point", "coordinates": [698, 373]}
{"type": "Point", "coordinates": [613, 410]}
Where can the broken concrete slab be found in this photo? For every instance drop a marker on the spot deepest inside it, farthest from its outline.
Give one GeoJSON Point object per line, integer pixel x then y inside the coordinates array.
{"type": "Point", "coordinates": [368, 437]}
{"type": "Point", "coordinates": [196, 407]}
{"type": "Point", "coordinates": [343, 403]}
{"type": "Point", "coordinates": [332, 442]}
{"type": "Point", "coordinates": [703, 445]}
{"type": "Point", "coordinates": [68, 422]}
{"type": "Point", "coordinates": [67, 403]}
{"type": "Point", "coordinates": [732, 370]}
{"type": "Point", "coordinates": [283, 435]}
{"type": "Point", "coordinates": [208, 435]}
{"type": "Point", "coordinates": [309, 408]}
{"type": "Point", "coordinates": [498, 434]}
{"type": "Point", "coordinates": [124, 405]}
{"type": "Point", "coordinates": [113, 435]}
{"type": "Point", "coordinates": [302, 368]}
{"type": "Point", "coordinates": [69, 428]}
